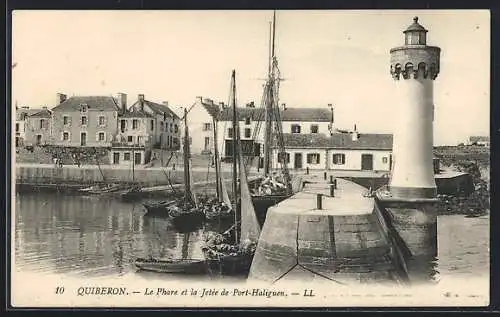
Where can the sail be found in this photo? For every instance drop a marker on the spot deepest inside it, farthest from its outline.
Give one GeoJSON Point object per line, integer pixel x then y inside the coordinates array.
{"type": "Point", "coordinates": [225, 195]}
{"type": "Point", "coordinates": [250, 228]}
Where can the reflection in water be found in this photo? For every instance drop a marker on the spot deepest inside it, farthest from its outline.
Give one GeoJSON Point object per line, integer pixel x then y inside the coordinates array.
{"type": "Point", "coordinates": [102, 236]}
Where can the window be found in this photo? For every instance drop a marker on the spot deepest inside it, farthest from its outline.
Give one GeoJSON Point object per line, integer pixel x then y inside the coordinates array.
{"type": "Point", "coordinates": [66, 120]}
{"type": "Point", "coordinates": [248, 133]}
{"type": "Point", "coordinates": [164, 116]}
{"type": "Point", "coordinates": [313, 158]}
{"type": "Point", "coordinates": [314, 128]}
{"type": "Point", "coordinates": [43, 124]}
{"type": "Point", "coordinates": [207, 127]}
{"type": "Point", "coordinates": [101, 136]}
{"type": "Point", "coordinates": [171, 128]}
{"type": "Point", "coordinates": [130, 138]}
{"type": "Point", "coordinates": [83, 107]}
{"type": "Point", "coordinates": [102, 120]}
{"type": "Point", "coordinates": [161, 125]}
{"type": "Point", "coordinates": [295, 128]}
{"type": "Point", "coordinates": [207, 143]}
{"type": "Point", "coordinates": [230, 133]}
{"type": "Point", "coordinates": [247, 120]}
{"type": "Point", "coordinates": [384, 159]}
{"type": "Point", "coordinates": [152, 125]}
{"type": "Point", "coordinates": [135, 124]}
{"type": "Point", "coordinates": [84, 120]}
{"type": "Point", "coordinates": [339, 158]}
{"type": "Point", "coordinates": [17, 127]}
{"type": "Point", "coordinates": [65, 136]}
{"type": "Point", "coordinates": [126, 156]}
{"type": "Point", "coordinates": [287, 157]}
{"type": "Point", "coordinates": [176, 129]}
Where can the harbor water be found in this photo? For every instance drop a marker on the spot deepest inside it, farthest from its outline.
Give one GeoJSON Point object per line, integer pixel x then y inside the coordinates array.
{"type": "Point", "coordinates": [101, 236]}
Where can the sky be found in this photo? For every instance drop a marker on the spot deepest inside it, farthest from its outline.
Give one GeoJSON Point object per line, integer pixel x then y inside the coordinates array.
{"type": "Point", "coordinates": [327, 56]}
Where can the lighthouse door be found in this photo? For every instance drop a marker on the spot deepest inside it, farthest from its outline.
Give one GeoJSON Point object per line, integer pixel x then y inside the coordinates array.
{"type": "Point", "coordinates": [366, 162]}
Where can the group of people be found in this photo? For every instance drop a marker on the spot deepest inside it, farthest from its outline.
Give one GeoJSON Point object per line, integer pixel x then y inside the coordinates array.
{"type": "Point", "coordinates": [58, 161]}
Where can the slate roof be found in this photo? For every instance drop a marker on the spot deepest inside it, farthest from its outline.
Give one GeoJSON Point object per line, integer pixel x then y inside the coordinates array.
{"type": "Point", "coordinates": [158, 108]}
{"type": "Point", "coordinates": [289, 114]}
{"type": "Point", "coordinates": [28, 112]}
{"type": "Point", "coordinates": [212, 109]}
{"type": "Point", "coordinates": [93, 103]}
{"type": "Point", "coordinates": [135, 114]}
{"type": "Point", "coordinates": [479, 139]}
{"type": "Point", "coordinates": [366, 141]}
{"type": "Point", "coordinates": [44, 113]}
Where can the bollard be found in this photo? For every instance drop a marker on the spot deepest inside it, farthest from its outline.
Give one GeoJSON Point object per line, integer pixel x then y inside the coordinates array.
{"type": "Point", "coordinates": [324, 175]}
{"type": "Point", "coordinates": [335, 183]}
{"type": "Point", "coordinates": [307, 170]}
{"type": "Point", "coordinates": [331, 179]}
{"type": "Point", "coordinates": [332, 190]}
{"type": "Point", "coordinates": [319, 201]}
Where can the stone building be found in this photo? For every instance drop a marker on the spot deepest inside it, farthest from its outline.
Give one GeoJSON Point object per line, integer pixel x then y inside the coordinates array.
{"type": "Point", "coordinates": [22, 114]}
{"type": "Point", "coordinates": [38, 128]}
{"type": "Point", "coordinates": [84, 121]}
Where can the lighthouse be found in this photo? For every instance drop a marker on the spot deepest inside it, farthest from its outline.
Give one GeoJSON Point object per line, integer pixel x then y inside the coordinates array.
{"type": "Point", "coordinates": [414, 67]}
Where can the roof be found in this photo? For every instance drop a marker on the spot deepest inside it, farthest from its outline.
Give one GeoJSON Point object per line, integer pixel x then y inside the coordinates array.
{"type": "Point", "coordinates": [93, 103]}
{"type": "Point", "coordinates": [25, 111]}
{"type": "Point", "coordinates": [212, 109]}
{"type": "Point", "coordinates": [479, 139]}
{"type": "Point", "coordinates": [339, 141]}
{"type": "Point", "coordinates": [134, 114]}
{"type": "Point", "coordinates": [44, 113]}
{"type": "Point", "coordinates": [415, 26]}
{"type": "Point", "coordinates": [289, 114]}
{"type": "Point", "coordinates": [158, 108]}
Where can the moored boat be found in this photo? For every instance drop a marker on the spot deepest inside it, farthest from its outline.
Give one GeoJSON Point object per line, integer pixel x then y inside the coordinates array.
{"type": "Point", "coordinates": [178, 266]}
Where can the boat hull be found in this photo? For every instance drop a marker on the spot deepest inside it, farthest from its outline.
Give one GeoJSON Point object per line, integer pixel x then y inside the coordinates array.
{"type": "Point", "coordinates": [231, 265]}
{"type": "Point", "coordinates": [173, 266]}
{"type": "Point", "coordinates": [261, 204]}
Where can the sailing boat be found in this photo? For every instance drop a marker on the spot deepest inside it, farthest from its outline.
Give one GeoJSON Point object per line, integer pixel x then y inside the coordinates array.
{"type": "Point", "coordinates": [101, 188]}
{"type": "Point", "coordinates": [232, 252]}
{"type": "Point", "coordinates": [273, 188]}
{"type": "Point", "coordinates": [184, 211]}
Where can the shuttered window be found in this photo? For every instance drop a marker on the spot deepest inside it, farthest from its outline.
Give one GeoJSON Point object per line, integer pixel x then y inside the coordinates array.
{"type": "Point", "coordinates": [313, 158]}
{"type": "Point", "coordinates": [338, 159]}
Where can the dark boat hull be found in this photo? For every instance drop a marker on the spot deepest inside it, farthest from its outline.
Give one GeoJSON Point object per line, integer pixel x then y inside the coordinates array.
{"type": "Point", "coordinates": [262, 203]}
{"type": "Point", "coordinates": [187, 222]}
{"type": "Point", "coordinates": [172, 266]}
{"type": "Point", "coordinates": [231, 265]}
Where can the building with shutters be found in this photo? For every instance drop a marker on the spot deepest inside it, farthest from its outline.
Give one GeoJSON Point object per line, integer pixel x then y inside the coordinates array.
{"type": "Point", "coordinates": [84, 121]}
{"type": "Point", "coordinates": [351, 151]}
{"type": "Point", "coordinates": [38, 126]}
{"type": "Point", "coordinates": [22, 121]}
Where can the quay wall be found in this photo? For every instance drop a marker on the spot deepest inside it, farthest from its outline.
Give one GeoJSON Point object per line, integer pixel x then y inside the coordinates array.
{"type": "Point", "coordinates": [34, 175]}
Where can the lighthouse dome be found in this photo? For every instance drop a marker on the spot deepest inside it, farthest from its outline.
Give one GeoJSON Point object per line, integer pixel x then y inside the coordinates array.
{"type": "Point", "coordinates": [415, 34]}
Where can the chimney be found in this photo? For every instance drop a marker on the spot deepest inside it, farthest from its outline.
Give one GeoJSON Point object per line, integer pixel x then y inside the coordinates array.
{"type": "Point", "coordinates": [61, 97]}
{"type": "Point", "coordinates": [209, 101]}
{"type": "Point", "coordinates": [355, 134]}
{"type": "Point", "coordinates": [199, 98]}
{"type": "Point", "coordinates": [44, 107]}
{"type": "Point", "coordinates": [140, 97]}
{"type": "Point", "coordinates": [221, 104]}
{"type": "Point", "coordinates": [122, 101]}
{"type": "Point", "coordinates": [165, 103]}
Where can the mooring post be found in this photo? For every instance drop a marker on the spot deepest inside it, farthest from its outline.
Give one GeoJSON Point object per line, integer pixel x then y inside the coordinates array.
{"type": "Point", "coordinates": [332, 190]}
{"type": "Point", "coordinates": [319, 201]}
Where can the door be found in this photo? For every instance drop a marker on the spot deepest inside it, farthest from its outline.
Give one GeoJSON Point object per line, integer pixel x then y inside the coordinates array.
{"type": "Point", "coordinates": [297, 160]}
{"type": "Point", "coordinates": [367, 162]}
{"type": "Point", "coordinates": [38, 139]}
{"type": "Point", "coordinates": [123, 125]}
{"type": "Point", "coordinates": [137, 158]}
{"type": "Point", "coordinates": [83, 138]}
{"type": "Point", "coordinates": [116, 158]}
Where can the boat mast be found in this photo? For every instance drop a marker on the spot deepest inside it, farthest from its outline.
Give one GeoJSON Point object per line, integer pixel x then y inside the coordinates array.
{"type": "Point", "coordinates": [187, 183]}
{"type": "Point", "coordinates": [235, 154]}
{"type": "Point", "coordinates": [218, 180]}
{"type": "Point", "coordinates": [269, 100]}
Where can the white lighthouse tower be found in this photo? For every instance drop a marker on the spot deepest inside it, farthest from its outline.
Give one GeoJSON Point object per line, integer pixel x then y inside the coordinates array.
{"type": "Point", "coordinates": [414, 67]}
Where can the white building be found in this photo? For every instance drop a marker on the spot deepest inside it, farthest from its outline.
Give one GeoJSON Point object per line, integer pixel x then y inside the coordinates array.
{"type": "Point", "coordinates": [340, 151]}
{"type": "Point", "coordinates": [22, 114]}
{"type": "Point", "coordinates": [479, 140]}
